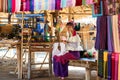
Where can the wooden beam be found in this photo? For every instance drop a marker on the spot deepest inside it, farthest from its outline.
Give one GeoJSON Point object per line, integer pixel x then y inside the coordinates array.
{"type": "Point", "coordinates": [18, 47]}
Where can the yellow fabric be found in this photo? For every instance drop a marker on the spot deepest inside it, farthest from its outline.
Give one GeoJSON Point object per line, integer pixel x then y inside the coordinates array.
{"type": "Point", "coordinates": [105, 56]}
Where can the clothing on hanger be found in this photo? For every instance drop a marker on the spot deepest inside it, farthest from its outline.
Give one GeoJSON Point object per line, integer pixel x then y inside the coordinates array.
{"type": "Point", "coordinates": [78, 2]}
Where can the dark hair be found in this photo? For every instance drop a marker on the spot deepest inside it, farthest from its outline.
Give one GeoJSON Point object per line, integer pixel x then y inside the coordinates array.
{"type": "Point", "coordinates": [70, 24]}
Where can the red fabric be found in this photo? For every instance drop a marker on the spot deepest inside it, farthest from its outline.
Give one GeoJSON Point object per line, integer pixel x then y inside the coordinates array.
{"type": "Point", "coordinates": [74, 33]}
{"type": "Point", "coordinates": [78, 2]}
{"type": "Point", "coordinates": [13, 5]}
{"type": "Point", "coordinates": [113, 66]}
{"type": "Point", "coordinates": [64, 58]}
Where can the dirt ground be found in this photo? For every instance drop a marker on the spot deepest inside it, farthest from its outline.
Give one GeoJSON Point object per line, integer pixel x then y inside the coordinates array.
{"type": "Point", "coordinates": [75, 73]}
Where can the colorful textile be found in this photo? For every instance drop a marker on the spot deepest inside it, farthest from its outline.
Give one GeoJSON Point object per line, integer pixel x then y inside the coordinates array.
{"type": "Point", "coordinates": [27, 5]}
{"type": "Point", "coordinates": [110, 35]}
{"type": "Point", "coordinates": [115, 33]}
{"type": "Point", "coordinates": [13, 5]}
{"type": "Point", "coordinates": [18, 2]}
{"type": "Point", "coordinates": [113, 66]}
{"type": "Point", "coordinates": [119, 25]}
{"type": "Point", "coordinates": [9, 5]}
{"type": "Point", "coordinates": [100, 63]}
{"type": "Point", "coordinates": [36, 5]}
{"type": "Point", "coordinates": [23, 5]}
{"type": "Point", "coordinates": [71, 3]}
{"type": "Point", "coordinates": [51, 4]}
{"type": "Point", "coordinates": [78, 3]}
{"type": "Point", "coordinates": [83, 2]}
{"type": "Point", "coordinates": [32, 5]}
{"type": "Point", "coordinates": [5, 5]}
{"type": "Point", "coordinates": [105, 68]}
{"type": "Point", "coordinates": [89, 1]}
{"type": "Point", "coordinates": [57, 4]}
{"type": "Point", "coordinates": [63, 3]}
{"type": "Point", "coordinates": [101, 38]}
{"type": "Point", "coordinates": [119, 68]}
{"type": "Point", "coordinates": [116, 65]}
{"type": "Point", "coordinates": [109, 66]}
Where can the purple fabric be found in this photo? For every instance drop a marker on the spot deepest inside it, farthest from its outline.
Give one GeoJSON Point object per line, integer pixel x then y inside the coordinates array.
{"type": "Point", "coordinates": [110, 36]}
{"type": "Point", "coordinates": [97, 45]}
{"type": "Point", "coordinates": [109, 64]}
{"type": "Point", "coordinates": [60, 63]}
{"type": "Point", "coordinates": [101, 39]}
{"type": "Point", "coordinates": [57, 4]}
{"type": "Point", "coordinates": [27, 5]}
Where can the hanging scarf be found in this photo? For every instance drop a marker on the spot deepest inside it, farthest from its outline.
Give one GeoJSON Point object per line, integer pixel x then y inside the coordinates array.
{"type": "Point", "coordinates": [9, 6]}
{"type": "Point", "coordinates": [18, 2]}
{"type": "Point", "coordinates": [46, 4]}
{"type": "Point", "coordinates": [32, 5]}
{"type": "Point", "coordinates": [115, 33]}
{"type": "Point", "coordinates": [4, 5]}
{"type": "Point", "coordinates": [69, 3]}
{"type": "Point", "coordinates": [109, 66]}
{"type": "Point", "coordinates": [105, 68]}
{"type": "Point", "coordinates": [13, 5]}
{"type": "Point", "coordinates": [63, 3]}
{"type": "Point", "coordinates": [36, 5]}
{"type": "Point", "coordinates": [110, 35]}
{"type": "Point", "coordinates": [27, 5]}
{"type": "Point", "coordinates": [78, 3]}
{"type": "Point", "coordinates": [57, 4]}
{"type": "Point", "coordinates": [100, 63]}
{"type": "Point", "coordinates": [89, 1]}
{"type": "Point", "coordinates": [119, 68]}
{"type": "Point", "coordinates": [23, 5]}
{"type": "Point", "coordinates": [83, 2]}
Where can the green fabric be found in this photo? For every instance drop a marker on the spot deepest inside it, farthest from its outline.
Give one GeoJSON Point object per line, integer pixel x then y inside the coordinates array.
{"type": "Point", "coordinates": [83, 2]}
{"type": "Point", "coordinates": [9, 5]}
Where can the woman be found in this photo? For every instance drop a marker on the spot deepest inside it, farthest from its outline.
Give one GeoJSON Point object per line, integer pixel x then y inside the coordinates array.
{"type": "Point", "coordinates": [60, 63]}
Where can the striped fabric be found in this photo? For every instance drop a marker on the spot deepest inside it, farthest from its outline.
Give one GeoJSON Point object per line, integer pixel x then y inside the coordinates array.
{"type": "Point", "coordinates": [100, 63]}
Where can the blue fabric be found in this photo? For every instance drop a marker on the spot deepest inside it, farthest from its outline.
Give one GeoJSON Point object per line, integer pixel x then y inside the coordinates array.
{"type": "Point", "coordinates": [32, 5]}
{"type": "Point", "coordinates": [63, 3]}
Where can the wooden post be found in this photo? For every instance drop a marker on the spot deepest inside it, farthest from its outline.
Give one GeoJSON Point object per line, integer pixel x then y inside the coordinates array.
{"type": "Point", "coordinates": [19, 61]}
{"type": "Point", "coordinates": [87, 74]}
{"type": "Point", "coordinates": [29, 65]}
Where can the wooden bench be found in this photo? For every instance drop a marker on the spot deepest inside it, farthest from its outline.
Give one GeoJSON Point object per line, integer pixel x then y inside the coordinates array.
{"type": "Point", "coordinates": [89, 64]}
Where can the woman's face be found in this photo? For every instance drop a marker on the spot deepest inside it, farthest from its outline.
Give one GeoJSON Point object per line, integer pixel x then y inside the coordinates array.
{"type": "Point", "coordinates": [70, 28]}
